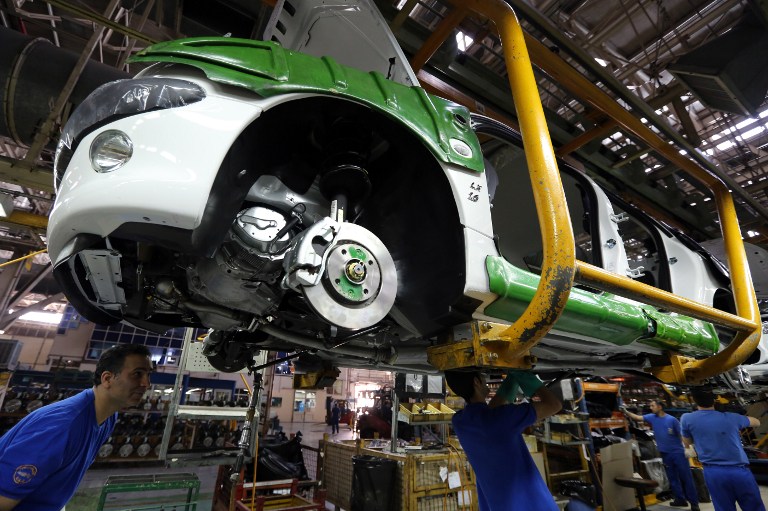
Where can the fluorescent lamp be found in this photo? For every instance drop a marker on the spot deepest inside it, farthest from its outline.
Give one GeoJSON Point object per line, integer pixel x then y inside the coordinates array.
{"type": "Point", "coordinates": [53, 318]}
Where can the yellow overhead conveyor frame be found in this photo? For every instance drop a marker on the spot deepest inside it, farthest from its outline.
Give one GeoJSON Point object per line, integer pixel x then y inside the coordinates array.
{"type": "Point", "coordinates": [560, 268]}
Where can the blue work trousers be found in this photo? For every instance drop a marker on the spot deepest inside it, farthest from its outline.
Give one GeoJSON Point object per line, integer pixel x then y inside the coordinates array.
{"type": "Point", "coordinates": [680, 477]}
{"type": "Point", "coordinates": [729, 484]}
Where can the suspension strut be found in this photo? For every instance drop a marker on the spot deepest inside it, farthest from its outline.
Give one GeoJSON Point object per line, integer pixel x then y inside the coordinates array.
{"type": "Point", "coordinates": [344, 179]}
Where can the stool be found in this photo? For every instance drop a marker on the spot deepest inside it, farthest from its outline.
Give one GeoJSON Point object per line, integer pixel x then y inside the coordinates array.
{"type": "Point", "coordinates": [639, 485]}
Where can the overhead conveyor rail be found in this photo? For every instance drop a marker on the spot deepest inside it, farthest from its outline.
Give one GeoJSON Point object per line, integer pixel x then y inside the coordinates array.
{"type": "Point", "coordinates": [560, 268]}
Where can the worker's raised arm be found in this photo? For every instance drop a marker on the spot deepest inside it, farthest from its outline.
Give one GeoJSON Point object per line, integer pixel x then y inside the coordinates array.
{"type": "Point", "coordinates": [753, 422]}
{"type": "Point", "coordinates": [547, 405]}
{"type": "Point", "coordinates": [633, 416]}
{"type": "Point", "coordinates": [506, 392]}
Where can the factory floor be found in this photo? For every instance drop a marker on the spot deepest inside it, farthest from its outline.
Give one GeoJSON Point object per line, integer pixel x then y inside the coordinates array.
{"type": "Point", "coordinates": [88, 493]}
{"type": "Point", "coordinates": [87, 496]}
{"type": "Point", "coordinates": [705, 506]}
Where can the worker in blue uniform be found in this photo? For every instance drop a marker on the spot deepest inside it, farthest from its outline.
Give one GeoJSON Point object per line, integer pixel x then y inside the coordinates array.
{"type": "Point", "coordinates": [335, 415]}
{"type": "Point", "coordinates": [44, 457]}
{"type": "Point", "coordinates": [715, 435]}
{"type": "Point", "coordinates": [667, 433]}
{"type": "Point", "coordinates": [491, 436]}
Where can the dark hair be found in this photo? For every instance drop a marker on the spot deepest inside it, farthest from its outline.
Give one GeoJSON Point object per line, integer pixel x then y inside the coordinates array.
{"type": "Point", "coordinates": [703, 397]}
{"type": "Point", "coordinates": [657, 401]}
{"type": "Point", "coordinates": [462, 383]}
{"type": "Point", "coordinates": [113, 359]}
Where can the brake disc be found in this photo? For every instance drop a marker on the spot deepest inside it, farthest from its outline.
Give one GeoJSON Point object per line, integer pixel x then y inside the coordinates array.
{"type": "Point", "coordinates": [359, 282]}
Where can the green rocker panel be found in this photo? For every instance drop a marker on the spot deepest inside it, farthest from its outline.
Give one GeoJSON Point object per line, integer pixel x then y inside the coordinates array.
{"type": "Point", "coordinates": [268, 69]}
{"type": "Point", "coordinates": [601, 316]}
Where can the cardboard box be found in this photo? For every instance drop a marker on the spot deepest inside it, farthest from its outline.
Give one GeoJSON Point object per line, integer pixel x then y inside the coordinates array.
{"type": "Point", "coordinates": [531, 442]}
{"type": "Point", "coordinates": [616, 461]}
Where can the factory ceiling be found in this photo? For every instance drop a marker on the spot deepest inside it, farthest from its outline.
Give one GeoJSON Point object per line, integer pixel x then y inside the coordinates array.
{"type": "Point", "coordinates": [693, 72]}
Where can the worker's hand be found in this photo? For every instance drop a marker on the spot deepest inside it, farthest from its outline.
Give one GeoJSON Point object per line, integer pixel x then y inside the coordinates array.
{"type": "Point", "coordinates": [508, 388]}
{"type": "Point", "coordinates": [623, 409]}
{"type": "Point", "coordinates": [528, 381]}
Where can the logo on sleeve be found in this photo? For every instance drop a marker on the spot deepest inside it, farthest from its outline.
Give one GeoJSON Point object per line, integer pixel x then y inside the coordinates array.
{"type": "Point", "coordinates": [24, 474]}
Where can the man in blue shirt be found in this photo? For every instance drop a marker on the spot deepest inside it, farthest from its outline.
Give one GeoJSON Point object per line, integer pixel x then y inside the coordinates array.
{"type": "Point", "coordinates": [666, 431]}
{"type": "Point", "coordinates": [718, 446]}
{"type": "Point", "coordinates": [491, 436]}
{"type": "Point", "coordinates": [335, 414]}
{"type": "Point", "coordinates": [44, 457]}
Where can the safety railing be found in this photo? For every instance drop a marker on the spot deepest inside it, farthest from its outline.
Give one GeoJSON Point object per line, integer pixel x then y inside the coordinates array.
{"type": "Point", "coordinates": [560, 267]}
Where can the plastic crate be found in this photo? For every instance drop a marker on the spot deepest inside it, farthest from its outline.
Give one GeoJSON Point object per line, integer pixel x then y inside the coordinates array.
{"type": "Point", "coordinates": [441, 411]}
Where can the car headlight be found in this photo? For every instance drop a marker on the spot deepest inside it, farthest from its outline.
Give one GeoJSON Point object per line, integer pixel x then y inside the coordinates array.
{"type": "Point", "coordinates": [110, 151]}
{"type": "Point", "coordinates": [117, 100]}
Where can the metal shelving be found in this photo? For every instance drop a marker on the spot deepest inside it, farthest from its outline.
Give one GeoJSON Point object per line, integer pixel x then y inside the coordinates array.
{"type": "Point", "coordinates": [192, 359]}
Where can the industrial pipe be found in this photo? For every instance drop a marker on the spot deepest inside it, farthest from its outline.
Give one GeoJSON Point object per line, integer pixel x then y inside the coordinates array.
{"type": "Point", "coordinates": [32, 73]}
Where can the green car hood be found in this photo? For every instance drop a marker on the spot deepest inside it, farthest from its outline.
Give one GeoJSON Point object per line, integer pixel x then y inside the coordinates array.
{"type": "Point", "coordinates": [268, 69]}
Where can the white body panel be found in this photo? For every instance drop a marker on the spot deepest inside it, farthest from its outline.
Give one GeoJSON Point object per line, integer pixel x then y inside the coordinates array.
{"type": "Point", "coordinates": [176, 157]}
{"type": "Point", "coordinates": [353, 31]}
{"type": "Point", "coordinates": [470, 191]}
{"type": "Point", "coordinates": [690, 276]}
{"type": "Point", "coordinates": [612, 249]}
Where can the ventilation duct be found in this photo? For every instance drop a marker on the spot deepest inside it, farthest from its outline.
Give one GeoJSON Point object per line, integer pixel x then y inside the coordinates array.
{"type": "Point", "coordinates": [32, 74]}
{"type": "Point", "coordinates": [729, 73]}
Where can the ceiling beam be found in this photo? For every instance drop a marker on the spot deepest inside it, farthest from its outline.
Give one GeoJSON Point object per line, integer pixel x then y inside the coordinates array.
{"type": "Point", "coordinates": [434, 85]}
{"type": "Point", "coordinates": [586, 137]}
{"type": "Point", "coordinates": [565, 74]}
{"type": "Point", "coordinates": [132, 43]}
{"type": "Point", "coordinates": [29, 175]}
{"type": "Point", "coordinates": [21, 293]}
{"type": "Point", "coordinates": [8, 319]}
{"type": "Point", "coordinates": [444, 29]}
{"type": "Point", "coordinates": [88, 14]}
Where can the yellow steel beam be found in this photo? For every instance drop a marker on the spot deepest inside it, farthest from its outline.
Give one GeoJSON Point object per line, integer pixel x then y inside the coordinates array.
{"type": "Point", "coordinates": [26, 220]}
{"type": "Point", "coordinates": [593, 276]}
{"type": "Point", "coordinates": [746, 321]}
{"type": "Point", "coordinates": [557, 235]}
{"type": "Point", "coordinates": [481, 348]}
{"type": "Point", "coordinates": [741, 283]}
{"type": "Point", "coordinates": [559, 262]}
